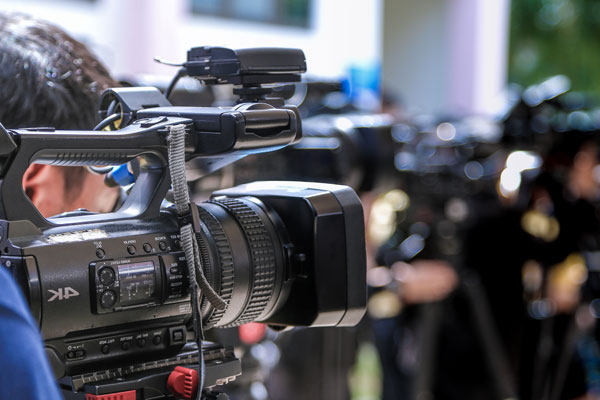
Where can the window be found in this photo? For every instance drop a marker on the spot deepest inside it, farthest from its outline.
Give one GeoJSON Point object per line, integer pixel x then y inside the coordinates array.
{"type": "Point", "coordinates": [281, 12]}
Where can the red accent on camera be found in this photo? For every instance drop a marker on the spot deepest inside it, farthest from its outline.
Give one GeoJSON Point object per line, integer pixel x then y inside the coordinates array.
{"type": "Point", "coordinates": [128, 395]}
{"type": "Point", "coordinates": [183, 382]}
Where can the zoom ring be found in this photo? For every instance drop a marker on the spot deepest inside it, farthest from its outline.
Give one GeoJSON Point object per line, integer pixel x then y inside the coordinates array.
{"type": "Point", "coordinates": [226, 261]}
{"type": "Point", "coordinates": [263, 258]}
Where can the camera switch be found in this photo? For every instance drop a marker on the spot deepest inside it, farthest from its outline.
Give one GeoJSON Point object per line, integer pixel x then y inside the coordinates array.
{"type": "Point", "coordinates": [125, 345]}
{"type": "Point", "coordinates": [177, 336]}
{"type": "Point", "coordinates": [105, 349]}
{"type": "Point", "coordinates": [147, 247]}
{"type": "Point", "coordinates": [141, 343]}
{"type": "Point", "coordinates": [107, 276]}
{"type": "Point", "coordinates": [100, 253]}
{"type": "Point", "coordinates": [148, 122]}
{"type": "Point", "coordinates": [156, 340]}
{"type": "Point", "coordinates": [76, 354]}
{"type": "Point", "coordinates": [131, 249]}
{"type": "Point", "coordinates": [162, 245]}
{"type": "Point", "coordinates": [108, 299]}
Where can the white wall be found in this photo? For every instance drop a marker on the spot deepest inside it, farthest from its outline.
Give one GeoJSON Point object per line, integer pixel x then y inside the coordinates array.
{"type": "Point", "coordinates": [441, 56]}
{"type": "Point", "coordinates": [478, 61]}
{"type": "Point", "coordinates": [415, 52]}
{"type": "Point", "coordinates": [446, 56]}
{"type": "Point", "coordinates": [127, 34]}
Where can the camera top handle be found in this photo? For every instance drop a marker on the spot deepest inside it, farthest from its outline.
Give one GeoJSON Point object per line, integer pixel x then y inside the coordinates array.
{"type": "Point", "coordinates": [218, 136]}
{"type": "Point", "coordinates": [215, 135]}
{"type": "Point", "coordinates": [77, 148]}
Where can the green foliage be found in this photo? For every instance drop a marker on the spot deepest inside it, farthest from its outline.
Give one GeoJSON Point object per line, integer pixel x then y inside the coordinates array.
{"type": "Point", "coordinates": [366, 375]}
{"type": "Point", "coordinates": [550, 37]}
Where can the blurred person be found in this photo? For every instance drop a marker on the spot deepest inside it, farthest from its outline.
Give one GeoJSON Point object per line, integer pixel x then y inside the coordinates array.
{"type": "Point", "coordinates": [47, 78]}
{"type": "Point", "coordinates": [500, 249]}
{"type": "Point", "coordinates": [398, 331]}
{"type": "Point", "coordinates": [425, 281]}
{"type": "Point", "coordinates": [530, 260]}
{"type": "Point", "coordinates": [421, 281]}
{"type": "Point", "coordinates": [399, 290]}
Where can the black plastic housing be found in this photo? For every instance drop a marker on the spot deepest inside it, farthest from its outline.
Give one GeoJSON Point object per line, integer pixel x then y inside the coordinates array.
{"type": "Point", "coordinates": [284, 253]}
{"type": "Point", "coordinates": [326, 226]}
{"type": "Point", "coordinates": [245, 66]}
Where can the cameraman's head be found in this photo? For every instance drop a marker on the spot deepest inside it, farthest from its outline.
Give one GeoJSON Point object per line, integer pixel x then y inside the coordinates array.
{"type": "Point", "coordinates": [47, 78]}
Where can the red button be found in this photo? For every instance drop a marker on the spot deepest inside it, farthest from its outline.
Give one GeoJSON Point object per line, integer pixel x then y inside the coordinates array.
{"type": "Point", "coordinates": [183, 382]}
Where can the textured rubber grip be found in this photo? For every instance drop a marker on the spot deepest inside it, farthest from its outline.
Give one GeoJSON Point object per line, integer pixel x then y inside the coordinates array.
{"type": "Point", "coordinates": [226, 263]}
{"type": "Point", "coordinates": [264, 272]}
{"type": "Point", "coordinates": [81, 158]}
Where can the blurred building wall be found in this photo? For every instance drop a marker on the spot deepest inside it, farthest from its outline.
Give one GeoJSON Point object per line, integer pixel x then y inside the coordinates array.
{"type": "Point", "coordinates": [437, 56]}
{"type": "Point", "coordinates": [446, 56]}
{"type": "Point", "coordinates": [414, 52]}
{"type": "Point", "coordinates": [127, 34]}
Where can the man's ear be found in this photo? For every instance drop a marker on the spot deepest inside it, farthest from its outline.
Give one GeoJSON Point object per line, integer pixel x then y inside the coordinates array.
{"type": "Point", "coordinates": [29, 178]}
{"type": "Point", "coordinates": [45, 186]}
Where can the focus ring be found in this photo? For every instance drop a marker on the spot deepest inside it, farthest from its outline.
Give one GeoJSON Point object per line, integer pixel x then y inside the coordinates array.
{"type": "Point", "coordinates": [260, 244]}
{"type": "Point", "coordinates": [226, 261]}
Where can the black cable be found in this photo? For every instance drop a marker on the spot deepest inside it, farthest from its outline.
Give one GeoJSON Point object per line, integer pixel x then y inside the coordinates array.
{"type": "Point", "coordinates": [100, 170]}
{"type": "Point", "coordinates": [111, 107]}
{"type": "Point", "coordinates": [106, 121]}
{"type": "Point", "coordinates": [180, 74]}
{"type": "Point", "coordinates": [197, 322]}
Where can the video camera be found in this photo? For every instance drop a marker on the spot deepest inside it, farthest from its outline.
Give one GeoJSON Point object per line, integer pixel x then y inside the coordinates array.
{"type": "Point", "coordinates": [113, 293]}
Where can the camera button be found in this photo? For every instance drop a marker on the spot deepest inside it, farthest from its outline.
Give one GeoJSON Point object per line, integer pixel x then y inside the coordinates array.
{"type": "Point", "coordinates": [148, 122]}
{"type": "Point", "coordinates": [100, 253]}
{"type": "Point", "coordinates": [108, 299]}
{"type": "Point", "coordinates": [105, 349]}
{"type": "Point", "coordinates": [162, 245]}
{"type": "Point", "coordinates": [156, 340]}
{"type": "Point", "coordinates": [107, 276]}
{"type": "Point", "coordinates": [71, 354]}
{"type": "Point", "coordinates": [177, 336]}
{"type": "Point", "coordinates": [141, 342]}
{"type": "Point", "coordinates": [131, 249]}
{"type": "Point", "coordinates": [125, 345]}
{"type": "Point", "coordinates": [79, 353]}
{"type": "Point", "coordinates": [147, 247]}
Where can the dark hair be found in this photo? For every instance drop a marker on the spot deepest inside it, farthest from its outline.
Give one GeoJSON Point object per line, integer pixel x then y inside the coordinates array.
{"type": "Point", "coordinates": [47, 78]}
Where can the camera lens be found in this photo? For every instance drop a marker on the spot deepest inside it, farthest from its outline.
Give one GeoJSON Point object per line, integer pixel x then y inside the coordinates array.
{"type": "Point", "coordinates": [242, 248]}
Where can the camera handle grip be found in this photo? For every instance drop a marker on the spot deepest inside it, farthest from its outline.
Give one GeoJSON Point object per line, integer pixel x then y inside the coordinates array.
{"type": "Point", "coordinates": [19, 148]}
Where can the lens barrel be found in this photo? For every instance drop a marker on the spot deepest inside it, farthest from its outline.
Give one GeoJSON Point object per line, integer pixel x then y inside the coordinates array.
{"type": "Point", "coordinates": [243, 250]}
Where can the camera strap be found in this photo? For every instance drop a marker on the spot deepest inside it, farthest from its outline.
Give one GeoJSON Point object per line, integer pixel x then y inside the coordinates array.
{"type": "Point", "coordinates": [189, 222]}
{"type": "Point", "coordinates": [188, 215]}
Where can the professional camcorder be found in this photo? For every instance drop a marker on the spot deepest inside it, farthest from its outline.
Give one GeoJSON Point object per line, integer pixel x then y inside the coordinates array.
{"type": "Point", "coordinates": [115, 295]}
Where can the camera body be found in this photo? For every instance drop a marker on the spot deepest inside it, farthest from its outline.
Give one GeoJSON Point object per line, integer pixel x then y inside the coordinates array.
{"type": "Point", "coordinates": [111, 292]}
{"type": "Point", "coordinates": [102, 292]}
